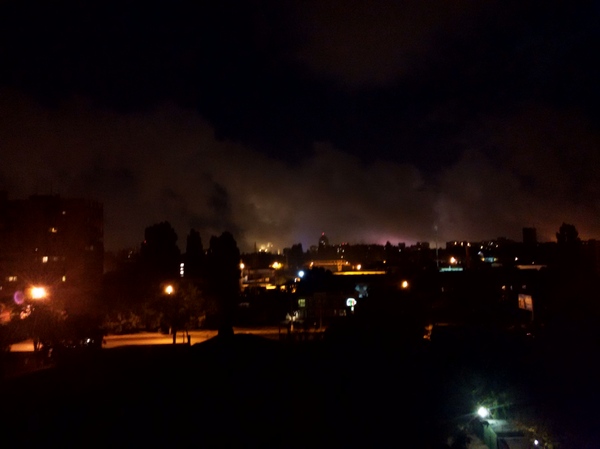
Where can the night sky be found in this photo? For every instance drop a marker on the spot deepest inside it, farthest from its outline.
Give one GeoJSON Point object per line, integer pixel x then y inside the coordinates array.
{"type": "Point", "coordinates": [278, 120]}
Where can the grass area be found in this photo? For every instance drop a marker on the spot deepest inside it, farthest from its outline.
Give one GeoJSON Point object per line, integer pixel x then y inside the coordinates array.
{"type": "Point", "coordinates": [347, 390]}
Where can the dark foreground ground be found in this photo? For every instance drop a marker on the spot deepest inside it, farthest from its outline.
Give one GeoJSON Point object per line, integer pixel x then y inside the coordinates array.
{"type": "Point", "coordinates": [350, 390]}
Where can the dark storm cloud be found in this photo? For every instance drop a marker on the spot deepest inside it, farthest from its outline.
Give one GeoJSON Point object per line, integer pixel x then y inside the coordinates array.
{"type": "Point", "coordinates": [371, 121]}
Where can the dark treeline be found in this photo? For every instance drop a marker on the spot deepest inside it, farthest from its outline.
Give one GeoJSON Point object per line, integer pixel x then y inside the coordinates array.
{"type": "Point", "coordinates": [165, 289]}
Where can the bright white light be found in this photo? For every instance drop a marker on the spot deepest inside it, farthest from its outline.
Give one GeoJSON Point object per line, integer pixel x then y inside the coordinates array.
{"type": "Point", "coordinates": [38, 292]}
{"type": "Point", "coordinates": [169, 289]}
{"type": "Point", "coordinates": [453, 260]}
{"type": "Point", "coordinates": [483, 412]}
{"type": "Point", "coordinates": [301, 274]}
{"type": "Point", "coordinates": [359, 266]}
{"type": "Point", "coordinates": [242, 266]}
{"type": "Point", "coordinates": [404, 284]}
{"type": "Point", "coordinates": [536, 442]}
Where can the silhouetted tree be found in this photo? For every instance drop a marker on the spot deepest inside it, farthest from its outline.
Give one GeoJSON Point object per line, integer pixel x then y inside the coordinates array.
{"type": "Point", "coordinates": [567, 235]}
{"type": "Point", "coordinates": [45, 325]}
{"type": "Point", "coordinates": [569, 248]}
{"type": "Point", "coordinates": [159, 252]}
{"type": "Point", "coordinates": [181, 309]}
{"type": "Point", "coordinates": [194, 255]}
{"type": "Point", "coordinates": [223, 278]}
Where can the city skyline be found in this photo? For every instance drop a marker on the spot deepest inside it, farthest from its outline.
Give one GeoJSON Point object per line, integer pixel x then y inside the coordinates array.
{"type": "Point", "coordinates": [376, 122]}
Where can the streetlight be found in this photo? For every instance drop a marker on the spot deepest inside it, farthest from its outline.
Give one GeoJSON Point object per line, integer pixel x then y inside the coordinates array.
{"type": "Point", "coordinates": [38, 292]}
{"type": "Point", "coordinates": [483, 412]}
{"type": "Point", "coordinates": [169, 289]}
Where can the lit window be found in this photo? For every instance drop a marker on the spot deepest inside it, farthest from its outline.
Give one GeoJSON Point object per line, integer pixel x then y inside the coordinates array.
{"type": "Point", "coordinates": [45, 259]}
{"type": "Point", "coordinates": [64, 279]}
{"type": "Point", "coordinates": [12, 279]}
{"type": "Point", "coordinates": [53, 230]}
{"type": "Point", "coordinates": [302, 303]}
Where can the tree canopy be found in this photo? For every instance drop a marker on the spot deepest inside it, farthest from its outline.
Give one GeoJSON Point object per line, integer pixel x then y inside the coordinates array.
{"type": "Point", "coordinates": [159, 252]}
{"type": "Point", "coordinates": [223, 278]}
{"type": "Point", "coordinates": [194, 255]}
{"type": "Point", "coordinates": [567, 235]}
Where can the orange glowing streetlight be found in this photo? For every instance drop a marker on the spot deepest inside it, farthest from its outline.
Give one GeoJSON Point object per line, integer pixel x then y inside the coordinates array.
{"type": "Point", "coordinates": [38, 292]}
{"type": "Point", "coordinates": [169, 289]}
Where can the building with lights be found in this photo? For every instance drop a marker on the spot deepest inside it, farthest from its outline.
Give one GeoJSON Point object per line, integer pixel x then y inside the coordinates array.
{"type": "Point", "coordinates": [262, 271]}
{"type": "Point", "coordinates": [53, 243]}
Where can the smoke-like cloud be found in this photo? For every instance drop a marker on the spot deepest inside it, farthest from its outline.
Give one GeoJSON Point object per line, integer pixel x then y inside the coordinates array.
{"type": "Point", "coordinates": [168, 165]}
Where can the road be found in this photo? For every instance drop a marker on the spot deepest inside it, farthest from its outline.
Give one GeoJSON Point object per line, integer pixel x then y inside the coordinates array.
{"type": "Point", "coordinates": [156, 338]}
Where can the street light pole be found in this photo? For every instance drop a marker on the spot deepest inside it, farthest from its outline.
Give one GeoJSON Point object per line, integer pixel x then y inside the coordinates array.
{"type": "Point", "coordinates": [437, 248]}
{"type": "Point", "coordinates": [169, 290]}
{"type": "Point", "coordinates": [37, 293]}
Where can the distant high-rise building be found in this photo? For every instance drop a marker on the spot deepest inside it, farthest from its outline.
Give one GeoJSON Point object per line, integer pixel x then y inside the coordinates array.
{"type": "Point", "coordinates": [529, 236]}
{"type": "Point", "coordinates": [323, 241]}
{"type": "Point", "coordinates": [52, 242]}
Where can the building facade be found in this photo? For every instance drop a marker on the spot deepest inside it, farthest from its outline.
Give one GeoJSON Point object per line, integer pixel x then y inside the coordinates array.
{"type": "Point", "coordinates": [52, 243]}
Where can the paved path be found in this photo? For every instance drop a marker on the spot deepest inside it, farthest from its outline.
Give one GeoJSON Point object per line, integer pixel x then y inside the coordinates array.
{"type": "Point", "coordinates": [156, 338]}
